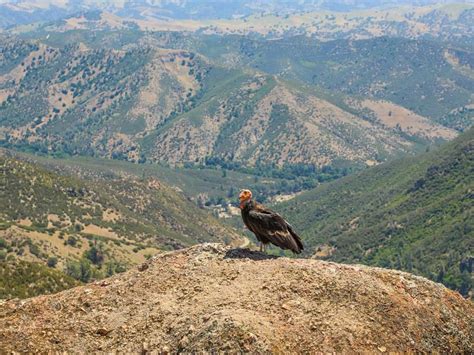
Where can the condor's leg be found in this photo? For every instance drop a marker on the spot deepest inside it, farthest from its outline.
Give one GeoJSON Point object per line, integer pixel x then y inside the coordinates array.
{"type": "Point", "coordinates": [261, 246]}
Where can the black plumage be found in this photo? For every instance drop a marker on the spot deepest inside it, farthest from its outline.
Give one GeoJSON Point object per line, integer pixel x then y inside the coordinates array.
{"type": "Point", "coordinates": [268, 226]}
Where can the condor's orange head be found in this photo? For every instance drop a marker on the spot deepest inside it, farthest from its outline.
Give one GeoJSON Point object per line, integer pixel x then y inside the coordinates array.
{"type": "Point", "coordinates": [244, 196]}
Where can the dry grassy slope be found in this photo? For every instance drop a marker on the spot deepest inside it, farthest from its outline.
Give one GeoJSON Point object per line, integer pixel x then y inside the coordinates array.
{"type": "Point", "coordinates": [125, 92]}
{"type": "Point", "coordinates": [130, 216]}
{"type": "Point", "coordinates": [408, 21]}
{"type": "Point", "coordinates": [169, 81]}
{"type": "Point", "coordinates": [288, 125]}
{"type": "Point", "coordinates": [211, 297]}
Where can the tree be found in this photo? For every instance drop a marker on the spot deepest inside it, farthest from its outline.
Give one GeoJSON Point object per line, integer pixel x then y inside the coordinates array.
{"type": "Point", "coordinates": [113, 267]}
{"type": "Point", "coordinates": [72, 240]}
{"type": "Point", "coordinates": [73, 269]}
{"type": "Point", "coordinates": [86, 272]}
{"type": "Point", "coordinates": [95, 255]}
{"type": "Point", "coordinates": [52, 261]}
{"type": "Point", "coordinates": [466, 283]}
{"type": "Point", "coordinates": [79, 270]}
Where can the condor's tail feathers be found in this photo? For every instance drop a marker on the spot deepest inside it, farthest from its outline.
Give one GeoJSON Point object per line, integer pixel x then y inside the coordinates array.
{"type": "Point", "coordinates": [297, 246]}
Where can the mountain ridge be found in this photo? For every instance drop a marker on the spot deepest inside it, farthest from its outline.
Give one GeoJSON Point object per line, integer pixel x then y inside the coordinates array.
{"type": "Point", "coordinates": [446, 20]}
{"type": "Point", "coordinates": [181, 98]}
{"type": "Point", "coordinates": [412, 214]}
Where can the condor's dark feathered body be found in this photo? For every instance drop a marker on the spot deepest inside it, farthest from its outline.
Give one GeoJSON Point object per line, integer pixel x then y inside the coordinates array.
{"type": "Point", "coordinates": [269, 227]}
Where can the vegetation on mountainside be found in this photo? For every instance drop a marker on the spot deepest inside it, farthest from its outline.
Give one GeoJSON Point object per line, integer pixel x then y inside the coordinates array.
{"type": "Point", "coordinates": [210, 114]}
{"type": "Point", "coordinates": [414, 214]}
{"type": "Point", "coordinates": [23, 279]}
{"type": "Point", "coordinates": [176, 97]}
{"type": "Point", "coordinates": [399, 70]}
{"type": "Point", "coordinates": [145, 211]}
{"type": "Point", "coordinates": [214, 182]}
{"type": "Point", "coordinates": [95, 225]}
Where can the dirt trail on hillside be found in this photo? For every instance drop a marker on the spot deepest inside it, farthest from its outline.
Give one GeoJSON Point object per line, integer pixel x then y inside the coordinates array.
{"type": "Point", "coordinates": [212, 297]}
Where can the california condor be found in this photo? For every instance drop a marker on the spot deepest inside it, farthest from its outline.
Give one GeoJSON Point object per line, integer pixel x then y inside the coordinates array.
{"type": "Point", "coordinates": [267, 225]}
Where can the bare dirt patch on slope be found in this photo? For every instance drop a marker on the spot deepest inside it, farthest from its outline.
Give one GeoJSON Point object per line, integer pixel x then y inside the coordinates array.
{"type": "Point", "coordinates": [395, 116]}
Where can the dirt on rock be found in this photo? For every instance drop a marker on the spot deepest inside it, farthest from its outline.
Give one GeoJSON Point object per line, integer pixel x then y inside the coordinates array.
{"type": "Point", "coordinates": [214, 298]}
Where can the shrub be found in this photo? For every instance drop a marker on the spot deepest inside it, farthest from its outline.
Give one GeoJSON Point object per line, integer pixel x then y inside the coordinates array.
{"type": "Point", "coordinates": [72, 241]}
{"type": "Point", "coordinates": [52, 261]}
{"type": "Point", "coordinates": [35, 250]}
{"type": "Point", "coordinates": [95, 255]}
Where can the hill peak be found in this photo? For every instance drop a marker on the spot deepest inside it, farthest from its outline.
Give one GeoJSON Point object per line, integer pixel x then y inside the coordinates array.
{"type": "Point", "coordinates": [213, 297]}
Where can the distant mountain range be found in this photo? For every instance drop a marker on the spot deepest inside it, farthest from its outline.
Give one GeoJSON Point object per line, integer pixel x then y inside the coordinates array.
{"type": "Point", "coordinates": [18, 12]}
{"type": "Point", "coordinates": [189, 9]}
{"type": "Point", "coordinates": [183, 98]}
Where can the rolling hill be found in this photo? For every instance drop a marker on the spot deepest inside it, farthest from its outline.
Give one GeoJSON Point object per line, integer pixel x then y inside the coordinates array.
{"type": "Point", "coordinates": [413, 214]}
{"type": "Point", "coordinates": [183, 98]}
{"type": "Point", "coordinates": [326, 20]}
{"type": "Point", "coordinates": [94, 225]}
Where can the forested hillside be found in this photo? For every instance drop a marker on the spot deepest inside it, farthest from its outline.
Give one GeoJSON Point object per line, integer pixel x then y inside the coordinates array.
{"type": "Point", "coordinates": [177, 98]}
{"type": "Point", "coordinates": [414, 214]}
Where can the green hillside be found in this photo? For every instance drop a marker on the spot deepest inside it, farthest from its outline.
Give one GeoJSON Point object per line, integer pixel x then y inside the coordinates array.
{"type": "Point", "coordinates": [396, 69]}
{"type": "Point", "coordinates": [190, 98]}
{"type": "Point", "coordinates": [414, 214]}
{"type": "Point", "coordinates": [92, 224]}
{"type": "Point", "coordinates": [145, 208]}
{"type": "Point", "coordinates": [22, 279]}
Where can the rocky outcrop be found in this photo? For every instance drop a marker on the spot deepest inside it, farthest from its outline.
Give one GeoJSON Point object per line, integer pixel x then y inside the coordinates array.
{"type": "Point", "coordinates": [212, 297]}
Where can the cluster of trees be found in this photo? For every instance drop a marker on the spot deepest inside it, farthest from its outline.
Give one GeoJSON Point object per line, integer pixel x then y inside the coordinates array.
{"type": "Point", "coordinates": [272, 170]}
{"type": "Point", "coordinates": [93, 265]}
{"type": "Point", "coordinates": [27, 279]}
{"type": "Point", "coordinates": [268, 179]}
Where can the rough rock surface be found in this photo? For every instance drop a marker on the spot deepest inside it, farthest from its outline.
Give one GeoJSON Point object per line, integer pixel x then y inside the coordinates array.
{"type": "Point", "coordinates": [211, 297]}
